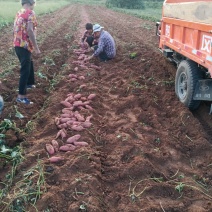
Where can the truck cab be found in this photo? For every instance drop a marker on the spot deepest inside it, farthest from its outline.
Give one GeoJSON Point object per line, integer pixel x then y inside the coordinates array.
{"type": "Point", "coordinates": [185, 38]}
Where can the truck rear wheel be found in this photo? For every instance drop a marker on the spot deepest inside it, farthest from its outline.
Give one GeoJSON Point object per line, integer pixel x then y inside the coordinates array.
{"type": "Point", "coordinates": [185, 82]}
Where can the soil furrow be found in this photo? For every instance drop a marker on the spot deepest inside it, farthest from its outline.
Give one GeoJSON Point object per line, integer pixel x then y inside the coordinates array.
{"type": "Point", "coordinates": [146, 150]}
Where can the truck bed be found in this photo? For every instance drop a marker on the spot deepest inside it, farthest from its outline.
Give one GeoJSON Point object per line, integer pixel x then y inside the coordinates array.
{"type": "Point", "coordinates": [187, 29]}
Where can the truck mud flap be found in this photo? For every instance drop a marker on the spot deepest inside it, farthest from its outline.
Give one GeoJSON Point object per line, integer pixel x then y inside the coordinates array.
{"type": "Point", "coordinates": [203, 90]}
{"type": "Point", "coordinates": [168, 53]}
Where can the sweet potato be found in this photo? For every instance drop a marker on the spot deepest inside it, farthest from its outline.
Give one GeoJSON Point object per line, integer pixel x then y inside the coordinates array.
{"type": "Point", "coordinates": [81, 77]}
{"type": "Point", "coordinates": [89, 107]}
{"type": "Point", "coordinates": [77, 123]}
{"type": "Point", "coordinates": [63, 134]}
{"type": "Point", "coordinates": [50, 149]}
{"type": "Point", "coordinates": [81, 57]}
{"type": "Point", "coordinates": [73, 79]}
{"type": "Point", "coordinates": [74, 138]}
{"type": "Point", "coordinates": [81, 107]}
{"type": "Point", "coordinates": [80, 143]}
{"type": "Point", "coordinates": [66, 115]}
{"type": "Point", "coordinates": [70, 94]}
{"type": "Point", "coordinates": [77, 62]}
{"type": "Point", "coordinates": [82, 86]}
{"type": "Point", "coordinates": [79, 117]}
{"type": "Point", "coordinates": [95, 67]}
{"type": "Point", "coordinates": [66, 100]}
{"type": "Point", "coordinates": [81, 51]}
{"type": "Point", "coordinates": [86, 103]}
{"type": "Point", "coordinates": [89, 118]}
{"type": "Point", "coordinates": [64, 120]}
{"type": "Point", "coordinates": [77, 128]}
{"type": "Point", "coordinates": [84, 46]}
{"type": "Point", "coordinates": [61, 126]}
{"type": "Point", "coordinates": [66, 111]}
{"type": "Point", "coordinates": [55, 145]}
{"type": "Point", "coordinates": [77, 103]}
{"type": "Point", "coordinates": [65, 148]}
{"type": "Point", "coordinates": [86, 124]}
{"type": "Point", "coordinates": [70, 123]}
{"type": "Point", "coordinates": [83, 98]}
{"type": "Point", "coordinates": [55, 159]}
{"type": "Point", "coordinates": [73, 76]}
{"type": "Point", "coordinates": [76, 113]}
{"type": "Point", "coordinates": [91, 96]}
{"type": "Point", "coordinates": [66, 104]}
{"type": "Point", "coordinates": [71, 146]}
{"type": "Point", "coordinates": [83, 66]}
{"type": "Point", "coordinates": [64, 130]}
{"type": "Point", "coordinates": [71, 99]}
{"type": "Point", "coordinates": [77, 96]}
{"type": "Point", "coordinates": [58, 134]}
{"type": "Point", "coordinates": [57, 121]}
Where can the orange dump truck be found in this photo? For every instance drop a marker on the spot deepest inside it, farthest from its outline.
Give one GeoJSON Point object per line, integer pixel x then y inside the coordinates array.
{"type": "Point", "coordinates": [185, 33]}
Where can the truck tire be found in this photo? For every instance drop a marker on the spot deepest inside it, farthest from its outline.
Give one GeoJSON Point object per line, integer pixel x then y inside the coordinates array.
{"type": "Point", "coordinates": [186, 78]}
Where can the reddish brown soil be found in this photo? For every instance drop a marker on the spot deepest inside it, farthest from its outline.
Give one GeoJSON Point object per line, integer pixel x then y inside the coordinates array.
{"type": "Point", "coordinates": [143, 143]}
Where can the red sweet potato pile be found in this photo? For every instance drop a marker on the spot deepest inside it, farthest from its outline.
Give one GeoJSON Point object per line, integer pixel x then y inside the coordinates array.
{"type": "Point", "coordinates": [74, 115]}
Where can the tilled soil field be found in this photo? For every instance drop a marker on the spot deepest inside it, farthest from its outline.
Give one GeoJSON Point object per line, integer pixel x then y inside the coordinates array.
{"type": "Point", "coordinates": [145, 152]}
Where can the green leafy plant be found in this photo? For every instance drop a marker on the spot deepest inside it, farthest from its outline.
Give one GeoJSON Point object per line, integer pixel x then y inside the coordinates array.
{"type": "Point", "coordinates": [133, 55]}
{"type": "Point", "coordinates": [49, 61]}
{"type": "Point", "coordinates": [41, 75]}
{"type": "Point", "coordinates": [7, 124]}
{"type": "Point", "coordinates": [129, 4]}
{"type": "Point", "coordinates": [18, 114]}
{"type": "Point", "coordinates": [180, 187]}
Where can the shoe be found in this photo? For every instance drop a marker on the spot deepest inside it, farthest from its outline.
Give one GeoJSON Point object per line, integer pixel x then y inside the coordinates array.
{"type": "Point", "coordinates": [31, 86]}
{"type": "Point", "coordinates": [24, 101]}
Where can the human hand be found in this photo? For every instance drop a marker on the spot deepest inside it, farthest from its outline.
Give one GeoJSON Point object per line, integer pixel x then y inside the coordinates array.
{"type": "Point", "coordinates": [37, 50]}
{"type": "Point", "coordinates": [88, 58]}
{"type": "Point", "coordinates": [89, 50]}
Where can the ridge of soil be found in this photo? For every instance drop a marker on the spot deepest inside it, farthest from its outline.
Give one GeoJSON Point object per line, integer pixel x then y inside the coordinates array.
{"type": "Point", "coordinates": [143, 143]}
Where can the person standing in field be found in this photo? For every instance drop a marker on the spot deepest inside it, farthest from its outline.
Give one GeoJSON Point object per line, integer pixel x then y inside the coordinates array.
{"type": "Point", "coordinates": [106, 49]}
{"type": "Point", "coordinates": [88, 36]}
{"type": "Point", "coordinates": [25, 42]}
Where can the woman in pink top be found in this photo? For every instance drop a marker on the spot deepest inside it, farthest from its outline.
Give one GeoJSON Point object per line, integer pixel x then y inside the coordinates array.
{"type": "Point", "coordinates": [25, 43]}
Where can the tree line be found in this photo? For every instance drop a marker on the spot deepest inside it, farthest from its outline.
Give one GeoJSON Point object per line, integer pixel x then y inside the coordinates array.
{"type": "Point", "coordinates": [131, 4]}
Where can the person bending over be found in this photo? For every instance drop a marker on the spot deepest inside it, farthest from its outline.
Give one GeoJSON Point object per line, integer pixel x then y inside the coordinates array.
{"type": "Point", "coordinates": [88, 36]}
{"type": "Point", "coordinates": [106, 48]}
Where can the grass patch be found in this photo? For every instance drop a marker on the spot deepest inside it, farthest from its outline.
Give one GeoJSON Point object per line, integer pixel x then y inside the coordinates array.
{"type": "Point", "coordinates": [151, 12]}
{"type": "Point", "coordinates": [28, 190]}
{"type": "Point", "coordinates": [42, 7]}
{"type": "Point", "coordinates": [179, 184]}
{"type": "Point", "coordinates": [146, 14]}
{"type": "Point", "coordinates": [90, 2]}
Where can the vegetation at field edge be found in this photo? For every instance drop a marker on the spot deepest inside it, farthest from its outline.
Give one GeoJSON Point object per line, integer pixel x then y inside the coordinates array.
{"type": "Point", "coordinates": [149, 10]}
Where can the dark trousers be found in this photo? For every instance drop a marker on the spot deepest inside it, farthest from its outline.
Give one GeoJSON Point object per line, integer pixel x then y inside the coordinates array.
{"type": "Point", "coordinates": [27, 69]}
{"type": "Point", "coordinates": [102, 56]}
{"type": "Point", "coordinates": [89, 40]}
